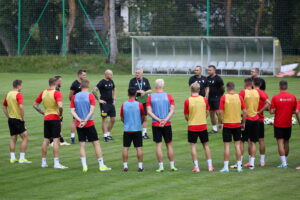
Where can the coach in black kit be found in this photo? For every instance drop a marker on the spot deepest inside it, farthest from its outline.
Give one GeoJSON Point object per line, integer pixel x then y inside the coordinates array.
{"type": "Point", "coordinates": [216, 91]}
{"type": "Point", "coordinates": [107, 100]}
{"type": "Point", "coordinates": [202, 80]}
{"type": "Point", "coordinates": [143, 88]}
{"type": "Point", "coordinates": [255, 74]}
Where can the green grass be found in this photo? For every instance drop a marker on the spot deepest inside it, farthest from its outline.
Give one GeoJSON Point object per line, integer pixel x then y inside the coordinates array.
{"type": "Point", "coordinates": [32, 182]}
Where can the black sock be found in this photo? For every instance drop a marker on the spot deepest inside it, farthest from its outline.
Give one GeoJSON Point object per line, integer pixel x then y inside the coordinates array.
{"type": "Point", "coordinates": [62, 140]}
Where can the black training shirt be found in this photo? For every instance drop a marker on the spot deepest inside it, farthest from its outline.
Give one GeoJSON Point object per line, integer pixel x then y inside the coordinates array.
{"type": "Point", "coordinates": [202, 82]}
{"type": "Point", "coordinates": [215, 84]}
{"type": "Point", "coordinates": [76, 87]}
{"type": "Point", "coordinates": [106, 88]}
{"type": "Point", "coordinates": [143, 83]}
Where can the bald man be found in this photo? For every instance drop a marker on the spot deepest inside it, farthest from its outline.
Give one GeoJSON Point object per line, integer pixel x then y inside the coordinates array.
{"type": "Point", "coordinates": [107, 100]}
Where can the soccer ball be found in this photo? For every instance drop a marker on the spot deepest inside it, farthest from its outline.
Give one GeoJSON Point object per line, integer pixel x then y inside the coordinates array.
{"type": "Point", "coordinates": [271, 120]}
{"type": "Point", "coordinates": [266, 121]}
{"type": "Point", "coordinates": [294, 121]}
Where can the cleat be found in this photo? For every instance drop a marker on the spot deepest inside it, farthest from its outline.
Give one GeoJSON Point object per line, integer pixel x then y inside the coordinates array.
{"type": "Point", "coordinates": [25, 161]}
{"type": "Point", "coordinates": [106, 139]}
{"type": "Point", "coordinates": [125, 169]}
{"type": "Point", "coordinates": [44, 165]}
{"type": "Point", "coordinates": [146, 137]}
{"type": "Point", "coordinates": [104, 168]}
{"type": "Point", "coordinates": [251, 167]}
{"type": "Point", "coordinates": [141, 170]}
{"type": "Point", "coordinates": [247, 165]}
{"type": "Point", "coordinates": [65, 144]}
{"type": "Point", "coordinates": [212, 132]}
{"type": "Point", "coordinates": [239, 170]}
{"type": "Point", "coordinates": [51, 144]}
{"type": "Point", "coordinates": [159, 170]}
{"type": "Point", "coordinates": [282, 166]}
{"type": "Point", "coordinates": [298, 168]}
{"type": "Point", "coordinates": [196, 169]}
{"type": "Point", "coordinates": [72, 140]}
{"type": "Point", "coordinates": [233, 166]}
{"type": "Point", "coordinates": [60, 166]}
{"type": "Point", "coordinates": [84, 170]}
{"type": "Point", "coordinates": [211, 169]}
{"type": "Point", "coordinates": [262, 164]}
{"type": "Point", "coordinates": [174, 169]}
{"type": "Point", "coordinates": [110, 138]}
{"type": "Point", "coordinates": [13, 161]}
{"type": "Point", "coordinates": [224, 170]}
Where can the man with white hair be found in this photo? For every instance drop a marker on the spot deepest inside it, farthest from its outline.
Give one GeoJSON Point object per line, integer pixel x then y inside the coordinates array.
{"type": "Point", "coordinates": [160, 106]}
{"type": "Point", "coordinates": [107, 101]}
{"type": "Point", "coordinates": [143, 88]}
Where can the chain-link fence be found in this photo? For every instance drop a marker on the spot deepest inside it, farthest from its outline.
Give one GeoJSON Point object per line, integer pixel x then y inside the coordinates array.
{"type": "Point", "coordinates": [35, 27]}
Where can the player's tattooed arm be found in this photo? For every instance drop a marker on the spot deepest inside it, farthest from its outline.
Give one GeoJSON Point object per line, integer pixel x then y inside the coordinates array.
{"type": "Point", "coordinates": [5, 111]}
{"type": "Point", "coordinates": [95, 91]}
{"type": "Point", "coordinates": [60, 108]}
{"type": "Point", "coordinates": [37, 108]}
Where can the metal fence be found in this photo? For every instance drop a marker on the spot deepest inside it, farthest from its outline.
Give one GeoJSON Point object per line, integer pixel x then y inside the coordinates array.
{"type": "Point", "coordinates": [36, 27]}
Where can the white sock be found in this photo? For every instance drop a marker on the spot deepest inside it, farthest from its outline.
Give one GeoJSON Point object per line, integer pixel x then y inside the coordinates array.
{"type": "Point", "coordinates": [226, 163]}
{"type": "Point", "coordinates": [161, 165]}
{"type": "Point", "coordinates": [72, 135]}
{"type": "Point", "coordinates": [283, 160]}
{"type": "Point", "coordinates": [105, 135]}
{"type": "Point", "coordinates": [209, 163]}
{"type": "Point", "coordinates": [101, 162]}
{"type": "Point", "coordinates": [125, 165]}
{"type": "Point", "coordinates": [215, 127]}
{"type": "Point", "coordinates": [83, 162]}
{"type": "Point", "coordinates": [172, 165]}
{"type": "Point", "coordinates": [252, 159]}
{"type": "Point", "coordinates": [144, 131]}
{"type": "Point", "coordinates": [140, 164]}
{"type": "Point", "coordinates": [44, 161]}
{"type": "Point", "coordinates": [239, 164]}
{"type": "Point", "coordinates": [108, 133]}
{"type": "Point", "coordinates": [22, 155]}
{"type": "Point", "coordinates": [196, 163]}
{"type": "Point", "coordinates": [262, 158]}
{"type": "Point", "coordinates": [249, 158]}
{"type": "Point", "coordinates": [56, 161]}
{"type": "Point", "coordinates": [12, 156]}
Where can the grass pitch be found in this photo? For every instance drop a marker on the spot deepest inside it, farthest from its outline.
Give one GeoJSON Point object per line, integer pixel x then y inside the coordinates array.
{"type": "Point", "coordinates": [32, 182]}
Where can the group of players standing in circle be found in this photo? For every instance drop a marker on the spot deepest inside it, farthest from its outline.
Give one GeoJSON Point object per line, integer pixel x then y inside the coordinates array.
{"type": "Point", "coordinates": [240, 116]}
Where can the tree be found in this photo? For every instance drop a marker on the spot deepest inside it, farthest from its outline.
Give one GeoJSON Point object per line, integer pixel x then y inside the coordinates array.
{"type": "Point", "coordinates": [113, 36]}
{"type": "Point", "coordinates": [228, 18]}
{"type": "Point", "coordinates": [259, 16]}
{"type": "Point", "coordinates": [71, 22]}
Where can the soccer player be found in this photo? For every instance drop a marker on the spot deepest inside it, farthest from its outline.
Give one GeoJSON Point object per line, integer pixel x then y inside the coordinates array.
{"type": "Point", "coordinates": [13, 109]}
{"type": "Point", "coordinates": [298, 118]}
{"type": "Point", "coordinates": [142, 85]}
{"type": "Point", "coordinates": [52, 102]}
{"type": "Point", "coordinates": [201, 80]}
{"type": "Point", "coordinates": [132, 115]}
{"type": "Point", "coordinates": [160, 107]}
{"type": "Point", "coordinates": [82, 108]}
{"type": "Point", "coordinates": [262, 149]}
{"type": "Point", "coordinates": [196, 110]}
{"type": "Point", "coordinates": [216, 90]}
{"type": "Point", "coordinates": [107, 100]}
{"type": "Point", "coordinates": [283, 106]}
{"type": "Point", "coordinates": [58, 86]}
{"type": "Point", "coordinates": [255, 74]}
{"type": "Point", "coordinates": [74, 89]}
{"type": "Point", "coordinates": [251, 132]}
{"type": "Point", "coordinates": [231, 107]}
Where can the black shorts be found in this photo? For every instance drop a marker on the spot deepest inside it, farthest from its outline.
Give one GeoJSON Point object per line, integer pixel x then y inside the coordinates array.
{"type": "Point", "coordinates": [251, 131]}
{"type": "Point", "coordinates": [261, 130]}
{"type": "Point", "coordinates": [135, 137]}
{"type": "Point", "coordinates": [282, 133]}
{"type": "Point", "coordinates": [107, 110]}
{"type": "Point", "coordinates": [87, 134]}
{"type": "Point", "coordinates": [159, 132]}
{"type": "Point", "coordinates": [214, 103]}
{"type": "Point", "coordinates": [52, 129]}
{"type": "Point", "coordinates": [193, 136]}
{"type": "Point", "coordinates": [228, 133]}
{"type": "Point", "coordinates": [145, 108]}
{"type": "Point", "coordinates": [16, 126]}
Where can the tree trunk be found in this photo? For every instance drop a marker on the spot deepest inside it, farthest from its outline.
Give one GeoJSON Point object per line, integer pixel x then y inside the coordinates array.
{"type": "Point", "coordinates": [6, 45]}
{"type": "Point", "coordinates": [106, 16]}
{"type": "Point", "coordinates": [113, 36]}
{"type": "Point", "coordinates": [71, 22]}
{"type": "Point", "coordinates": [259, 16]}
{"type": "Point", "coordinates": [228, 18]}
